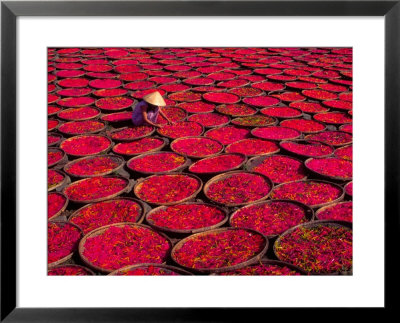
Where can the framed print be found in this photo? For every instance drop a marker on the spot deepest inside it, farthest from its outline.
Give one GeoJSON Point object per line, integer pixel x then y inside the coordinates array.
{"type": "Point", "coordinates": [209, 140]}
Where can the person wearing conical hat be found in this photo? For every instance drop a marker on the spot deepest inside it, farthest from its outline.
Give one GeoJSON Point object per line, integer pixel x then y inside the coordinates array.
{"type": "Point", "coordinates": [147, 110]}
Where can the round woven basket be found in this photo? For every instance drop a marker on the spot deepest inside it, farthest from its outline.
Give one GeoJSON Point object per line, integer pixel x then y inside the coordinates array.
{"type": "Point", "coordinates": [173, 138]}
{"type": "Point", "coordinates": [65, 181]}
{"type": "Point", "coordinates": [250, 261]}
{"type": "Point", "coordinates": [195, 157]}
{"type": "Point", "coordinates": [190, 231]}
{"type": "Point", "coordinates": [78, 119]}
{"type": "Point", "coordinates": [335, 178]}
{"type": "Point", "coordinates": [236, 124]}
{"type": "Point", "coordinates": [71, 134]}
{"type": "Point", "coordinates": [249, 156]}
{"type": "Point", "coordinates": [117, 159]}
{"type": "Point", "coordinates": [129, 185]}
{"type": "Point", "coordinates": [96, 103]}
{"type": "Point", "coordinates": [346, 190]}
{"type": "Point", "coordinates": [300, 115]}
{"type": "Point", "coordinates": [68, 257]}
{"type": "Point", "coordinates": [177, 270]}
{"type": "Point", "coordinates": [90, 272]}
{"type": "Point", "coordinates": [99, 231]}
{"type": "Point", "coordinates": [63, 208]}
{"type": "Point", "coordinates": [280, 264]}
{"type": "Point", "coordinates": [165, 142]}
{"type": "Point", "coordinates": [307, 132]}
{"type": "Point", "coordinates": [87, 155]}
{"type": "Point", "coordinates": [144, 208]}
{"type": "Point", "coordinates": [305, 156]}
{"type": "Point", "coordinates": [228, 174]}
{"type": "Point", "coordinates": [311, 224]}
{"type": "Point", "coordinates": [188, 198]}
{"type": "Point", "coordinates": [133, 172]}
{"type": "Point", "coordinates": [322, 209]}
{"type": "Point", "coordinates": [62, 160]}
{"type": "Point", "coordinates": [256, 161]}
{"type": "Point", "coordinates": [309, 213]}
{"type": "Point", "coordinates": [110, 133]}
{"type": "Point", "coordinates": [255, 129]}
{"type": "Point", "coordinates": [319, 181]}
{"type": "Point", "coordinates": [222, 171]}
{"type": "Point", "coordinates": [55, 135]}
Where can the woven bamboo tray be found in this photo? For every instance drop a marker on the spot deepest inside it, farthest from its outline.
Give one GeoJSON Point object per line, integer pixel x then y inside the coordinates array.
{"type": "Point", "coordinates": [79, 119]}
{"type": "Point", "coordinates": [335, 178]}
{"type": "Point", "coordinates": [68, 257]}
{"type": "Point", "coordinates": [62, 160]}
{"type": "Point", "coordinates": [196, 157]}
{"type": "Point", "coordinates": [127, 189]}
{"type": "Point", "coordinates": [177, 270]}
{"type": "Point", "coordinates": [64, 206]}
{"type": "Point", "coordinates": [219, 172]}
{"type": "Point", "coordinates": [309, 213]}
{"type": "Point", "coordinates": [71, 134]}
{"type": "Point", "coordinates": [319, 181]}
{"type": "Point", "coordinates": [110, 134]}
{"type": "Point", "coordinates": [189, 198]}
{"type": "Point", "coordinates": [312, 224]}
{"type": "Point", "coordinates": [249, 156]}
{"type": "Point", "coordinates": [165, 142]}
{"type": "Point", "coordinates": [179, 168]}
{"type": "Point", "coordinates": [91, 273]}
{"type": "Point", "coordinates": [189, 231]}
{"type": "Point", "coordinates": [250, 261]}
{"type": "Point", "coordinates": [86, 155]}
{"type": "Point", "coordinates": [228, 174]}
{"type": "Point", "coordinates": [65, 181]}
{"type": "Point", "coordinates": [99, 231]}
{"type": "Point", "coordinates": [144, 209]}
{"type": "Point", "coordinates": [117, 159]}
{"type": "Point", "coordinates": [305, 141]}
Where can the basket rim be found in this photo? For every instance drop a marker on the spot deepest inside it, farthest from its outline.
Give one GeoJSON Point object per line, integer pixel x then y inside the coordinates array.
{"type": "Point", "coordinates": [322, 209]}
{"type": "Point", "coordinates": [218, 172]}
{"type": "Point", "coordinates": [250, 156]}
{"type": "Point", "coordinates": [227, 174]}
{"type": "Point", "coordinates": [303, 131]}
{"type": "Point", "coordinates": [278, 263]}
{"type": "Point", "coordinates": [165, 142]}
{"type": "Point", "coordinates": [250, 261]}
{"type": "Point", "coordinates": [134, 102]}
{"type": "Point", "coordinates": [196, 137]}
{"type": "Point", "coordinates": [252, 160]}
{"type": "Point", "coordinates": [141, 180]}
{"type": "Point", "coordinates": [281, 117]}
{"type": "Point", "coordinates": [55, 134]}
{"type": "Point", "coordinates": [90, 135]}
{"type": "Point", "coordinates": [274, 123]}
{"type": "Point", "coordinates": [129, 182]}
{"type": "Point", "coordinates": [100, 230]}
{"type": "Point", "coordinates": [113, 131]}
{"type": "Point", "coordinates": [66, 178]}
{"type": "Point", "coordinates": [334, 145]}
{"type": "Point", "coordinates": [309, 212]}
{"type": "Point", "coordinates": [332, 123]}
{"type": "Point", "coordinates": [334, 223]}
{"type": "Point", "coordinates": [85, 133]}
{"type": "Point", "coordinates": [91, 272]}
{"type": "Point", "coordinates": [338, 178]}
{"type": "Point", "coordinates": [69, 256]}
{"type": "Point", "coordinates": [340, 198]}
{"type": "Point", "coordinates": [185, 164]}
{"type": "Point", "coordinates": [63, 207]}
{"type": "Point", "coordinates": [306, 140]}
{"type": "Point", "coordinates": [67, 165]}
{"type": "Point", "coordinates": [62, 159]}
{"type": "Point", "coordinates": [169, 267]}
{"type": "Point", "coordinates": [79, 119]}
{"type": "Point", "coordinates": [252, 131]}
{"type": "Point", "coordinates": [55, 128]}
{"type": "Point", "coordinates": [173, 138]}
{"type": "Point", "coordinates": [345, 188]}
{"type": "Point", "coordinates": [230, 115]}
{"type": "Point", "coordinates": [187, 231]}
{"type": "Point", "coordinates": [144, 209]}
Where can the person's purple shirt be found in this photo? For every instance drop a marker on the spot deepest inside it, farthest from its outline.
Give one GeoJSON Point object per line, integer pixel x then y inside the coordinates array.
{"type": "Point", "coordinates": [137, 116]}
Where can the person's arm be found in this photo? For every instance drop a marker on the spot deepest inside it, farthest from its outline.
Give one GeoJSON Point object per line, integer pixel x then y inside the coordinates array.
{"type": "Point", "coordinates": [145, 118]}
{"type": "Point", "coordinates": [163, 114]}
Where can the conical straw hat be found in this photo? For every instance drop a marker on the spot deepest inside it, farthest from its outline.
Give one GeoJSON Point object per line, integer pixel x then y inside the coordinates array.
{"type": "Point", "coordinates": [155, 98]}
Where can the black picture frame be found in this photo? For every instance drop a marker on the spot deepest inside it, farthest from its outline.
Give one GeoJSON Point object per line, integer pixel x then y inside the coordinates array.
{"type": "Point", "coordinates": [10, 10]}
